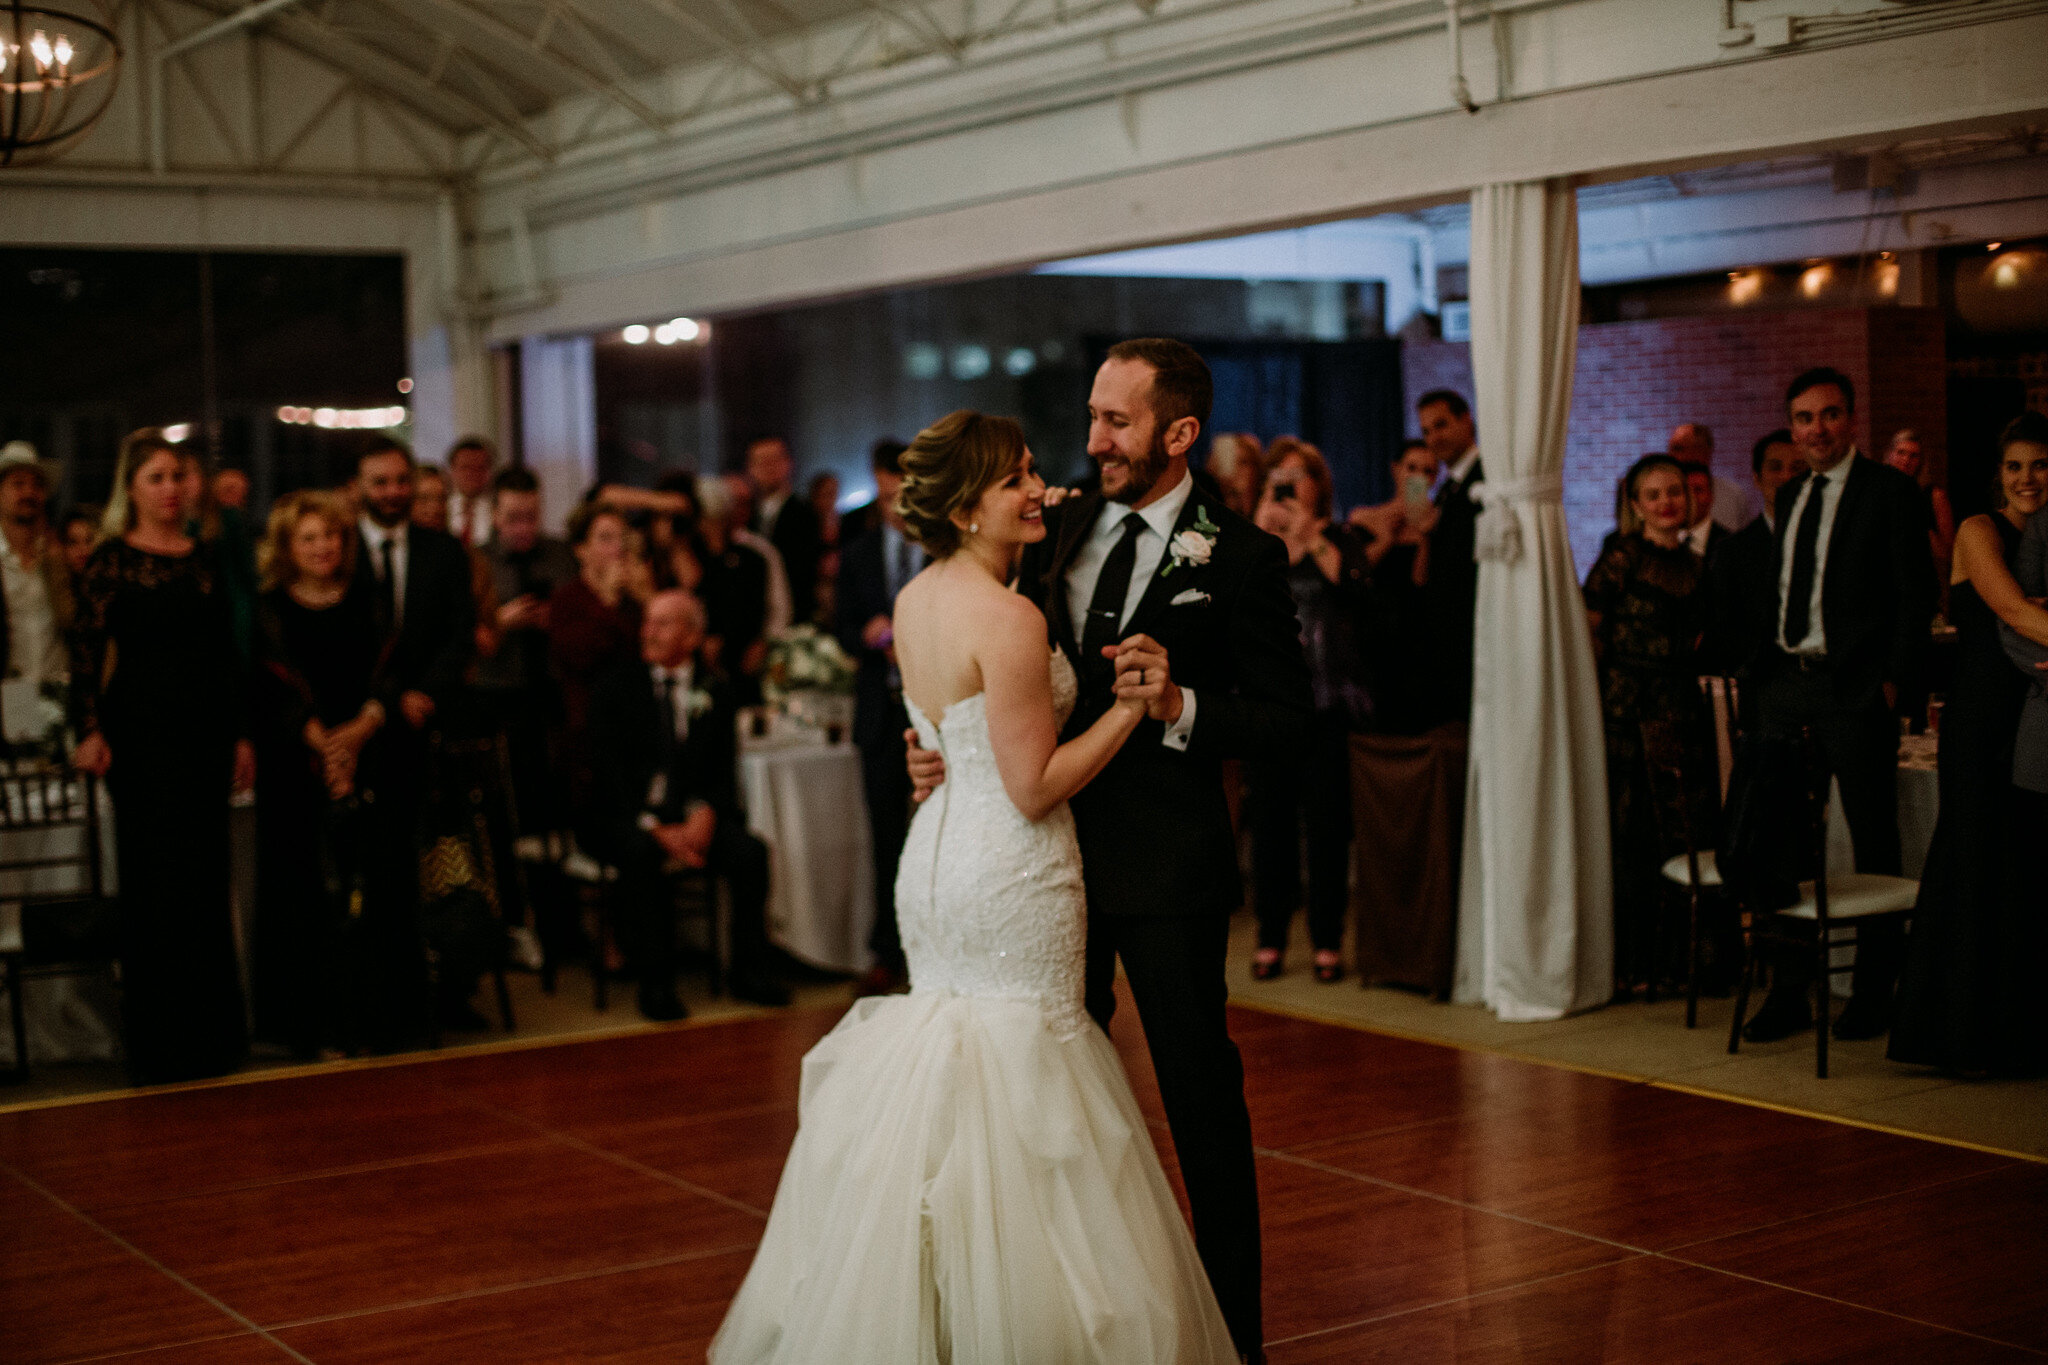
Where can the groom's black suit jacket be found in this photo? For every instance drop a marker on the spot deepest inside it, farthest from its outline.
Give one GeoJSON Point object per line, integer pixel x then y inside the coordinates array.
{"type": "Point", "coordinates": [1154, 827]}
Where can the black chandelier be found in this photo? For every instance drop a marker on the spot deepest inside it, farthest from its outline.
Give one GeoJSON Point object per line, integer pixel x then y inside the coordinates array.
{"type": "Point", "coordinates": [57, 69]}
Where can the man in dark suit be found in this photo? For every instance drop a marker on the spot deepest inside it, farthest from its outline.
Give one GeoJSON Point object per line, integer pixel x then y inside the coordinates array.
{"type": "Point", "coordinates": [872, 570]}
{"type": "Point", "coordinates": [788, 520]}
{"type": "Point", "coordinates": [1742, 568]}
{"type": "Point", "coordinates": [1147, 572]}
{"type": "Point", "coordinates": [665, 800]}
{"type": "Point", "coordinates": [1451, 589]}
{"type": "Point", "coordinates": [886, 453]}
{"type": "Point", "coordinates": [418, 583]}
{"type": "Point", "coordinates": [1845, 623]}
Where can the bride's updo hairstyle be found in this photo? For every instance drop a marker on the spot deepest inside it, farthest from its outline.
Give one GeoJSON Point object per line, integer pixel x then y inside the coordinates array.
{"type": "Point", "coordinates": [947, 468]}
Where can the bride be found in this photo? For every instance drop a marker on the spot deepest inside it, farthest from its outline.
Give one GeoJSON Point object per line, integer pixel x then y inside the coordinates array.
{"type": "Point", "coordinates": [971, 1180]}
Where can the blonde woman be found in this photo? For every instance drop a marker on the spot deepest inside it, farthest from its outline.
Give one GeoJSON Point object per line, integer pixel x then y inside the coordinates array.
{"type": "Point", "coordinates": [157, 700]}
{"type": "Point", "coordinates": [317, 710]}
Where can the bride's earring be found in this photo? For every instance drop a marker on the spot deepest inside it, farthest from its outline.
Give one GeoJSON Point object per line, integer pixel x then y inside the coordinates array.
{"type": "Point", "coordinates": [973, 528]}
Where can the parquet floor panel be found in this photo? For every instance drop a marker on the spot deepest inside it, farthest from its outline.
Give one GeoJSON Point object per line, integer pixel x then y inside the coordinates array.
{"type": "Point", "coordinates": [599, 1201]}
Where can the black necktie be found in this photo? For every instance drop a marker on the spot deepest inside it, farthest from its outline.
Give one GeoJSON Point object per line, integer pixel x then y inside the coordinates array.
{"type": "Point", "coordinates": [387, 584]}
{"type": "Point", "coordinates": [1106, 607]}
{"type": "Point", "coordinates": [1799, 593]}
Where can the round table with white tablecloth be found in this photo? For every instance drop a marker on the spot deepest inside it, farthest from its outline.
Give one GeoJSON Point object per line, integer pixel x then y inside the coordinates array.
{"type": "Point", "coordinates": [804, 800]}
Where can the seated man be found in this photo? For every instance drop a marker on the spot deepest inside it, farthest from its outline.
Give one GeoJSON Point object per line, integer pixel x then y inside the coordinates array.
{"type": "Point", "coordinates": [665, 800]}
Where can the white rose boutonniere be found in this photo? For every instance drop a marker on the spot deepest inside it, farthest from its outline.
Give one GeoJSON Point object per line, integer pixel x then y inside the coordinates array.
{"type": "Point", "coordinates": [1192, 546]}
{"type": "Point", "coordinates": [697, 703]}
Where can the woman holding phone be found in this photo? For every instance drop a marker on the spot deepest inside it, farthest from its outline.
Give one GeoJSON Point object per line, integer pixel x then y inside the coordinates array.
{"type": "Point", "coordinates": [1328, 575]}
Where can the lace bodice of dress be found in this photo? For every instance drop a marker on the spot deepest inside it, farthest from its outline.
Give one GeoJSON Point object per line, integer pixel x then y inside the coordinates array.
{"type": "Point", "coordinates": [989, 903]}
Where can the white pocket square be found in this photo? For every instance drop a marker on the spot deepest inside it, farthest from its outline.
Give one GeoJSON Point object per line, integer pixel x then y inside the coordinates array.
{"type": "Point", "coordinates": [1191, 595]}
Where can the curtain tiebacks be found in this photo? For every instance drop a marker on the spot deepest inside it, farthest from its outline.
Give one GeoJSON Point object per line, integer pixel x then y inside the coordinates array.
{"type": "Point", "coordinates": [1498, 535]}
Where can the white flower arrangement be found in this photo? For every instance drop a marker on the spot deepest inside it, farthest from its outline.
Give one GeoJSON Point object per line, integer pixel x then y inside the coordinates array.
{"type": "Point", "coordinates": [806, 659]}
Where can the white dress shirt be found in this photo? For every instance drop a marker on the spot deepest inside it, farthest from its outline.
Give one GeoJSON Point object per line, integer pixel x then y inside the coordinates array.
{"type": "Point", "coordinates": [768, 508]}
{"type": "Point", "coordinates": [780, 607]}
{"type": "Point", "coordinates": [1696, 536]}
{"type": "Point", "coordinates": [1830, 485]}
{"type": "Point", "coordinates": [1159, 518]}
{"type": "Point", "coordinates": [35, 652]}
{"type": "Point", "coordinates": [1462, 465]}
{"type": "Point", "coordinates": [683, 674]}
{"type": "Point", "coordinates": [374, 537]}
{"type": "Point", "coordinates": [470, 519]}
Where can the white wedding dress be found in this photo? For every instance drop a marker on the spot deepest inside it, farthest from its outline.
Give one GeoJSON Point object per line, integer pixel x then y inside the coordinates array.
{"type": "Point", "coordinates": [972, 1182]}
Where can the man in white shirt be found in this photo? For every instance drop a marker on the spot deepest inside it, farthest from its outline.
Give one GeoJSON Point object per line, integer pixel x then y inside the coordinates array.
{"type": "Point", "coordinates": [1848, 611]}
{"type": "Point", "coordinates": [470, 462]}
{"type": "Point", "coordinates": [35, 609]}
{"type": "Point", "coordinates": [787, 520]}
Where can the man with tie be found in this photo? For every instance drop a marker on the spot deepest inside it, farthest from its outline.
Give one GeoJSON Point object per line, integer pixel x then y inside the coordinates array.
{"type": "Point", "coordinates": [1845, 619]}
{"type": "Point", "coordinates": [665, 801]}
{"type": "Point", "coordinates": [873, 569]}
{"type": "Point", "coordinates": [1451, 593]}
{"type": "Point", "coordinates": [418, 581]}
{"type": "Point", "coordinates": [470, 462]}
{"type": "Point", "coordinates": [789, 522]}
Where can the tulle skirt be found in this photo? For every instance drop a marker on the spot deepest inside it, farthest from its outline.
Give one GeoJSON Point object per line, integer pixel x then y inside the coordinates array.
{"type": "Point", "coordinates": [969, 1187]}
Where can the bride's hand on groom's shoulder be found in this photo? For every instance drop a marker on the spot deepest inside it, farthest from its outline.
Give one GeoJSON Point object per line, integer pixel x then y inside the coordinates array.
{"type": "Point", "coordinates": [927, 767]}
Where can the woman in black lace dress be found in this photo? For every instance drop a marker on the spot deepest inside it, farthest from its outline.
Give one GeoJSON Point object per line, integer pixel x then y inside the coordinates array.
{"type": "Point", "coordinates": [157, 689]}
{"type": "Point", "coordinates": [1646, 601]}
{"type": "Point", "coordinates": [1969, 1001]}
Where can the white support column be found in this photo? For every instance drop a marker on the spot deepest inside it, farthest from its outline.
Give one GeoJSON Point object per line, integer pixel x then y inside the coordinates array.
{"type": "Point", "coordinates": [558, 419]}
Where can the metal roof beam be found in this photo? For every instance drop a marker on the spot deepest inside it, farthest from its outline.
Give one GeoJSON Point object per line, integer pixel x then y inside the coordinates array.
{"type": "Point", "coordinates": [523, 46]}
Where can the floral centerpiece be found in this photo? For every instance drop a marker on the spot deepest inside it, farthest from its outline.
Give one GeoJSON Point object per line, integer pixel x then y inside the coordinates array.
{"type": "Point", "coordinates": [804, 659]}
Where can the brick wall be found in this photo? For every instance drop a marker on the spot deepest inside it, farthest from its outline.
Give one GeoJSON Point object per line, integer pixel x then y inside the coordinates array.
{"type": "Point", "coordinates": [1638, 380]}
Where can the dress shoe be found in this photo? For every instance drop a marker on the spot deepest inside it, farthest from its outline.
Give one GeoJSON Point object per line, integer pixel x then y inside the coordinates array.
{"type": "Point", "coordinates": [758, 990]}
{"type": "Point", "coordinates": [1860, 1020]}
{"type": "Point", "coordinates": [1779, 1018]}
{"type": "Point", "coordinates": [661, 1006]}
{"type": "Point", "coordinates": [462, 1017]}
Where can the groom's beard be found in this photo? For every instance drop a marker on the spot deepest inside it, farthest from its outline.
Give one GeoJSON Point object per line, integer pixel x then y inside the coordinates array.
{"type": "Point", "coordinates": [1141, 474]}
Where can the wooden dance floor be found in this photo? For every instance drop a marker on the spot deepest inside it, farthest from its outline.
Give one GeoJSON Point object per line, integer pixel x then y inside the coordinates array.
{"type": "Point", "coordinates": [599, 1201]}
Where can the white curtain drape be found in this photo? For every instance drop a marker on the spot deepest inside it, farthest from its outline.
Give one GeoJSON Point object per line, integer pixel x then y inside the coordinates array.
{"type": "Point", "coordinates": [1535, 919]}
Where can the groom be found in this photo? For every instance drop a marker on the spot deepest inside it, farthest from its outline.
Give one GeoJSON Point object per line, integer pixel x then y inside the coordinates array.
{"type": "Point", "coordinates": [1149, 572]}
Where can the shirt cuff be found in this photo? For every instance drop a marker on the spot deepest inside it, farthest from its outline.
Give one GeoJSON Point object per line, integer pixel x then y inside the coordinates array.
{"type": "Point", "coordinates": [1181, 731]}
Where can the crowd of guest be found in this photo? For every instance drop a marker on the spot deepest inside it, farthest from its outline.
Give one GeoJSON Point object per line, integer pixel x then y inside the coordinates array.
{"type": "Point", "coordinates": [1818, 610]}
{"type": "Point", "coordinates": [437, 705]}
{"type": "Point", "coordinates": [441, 705]}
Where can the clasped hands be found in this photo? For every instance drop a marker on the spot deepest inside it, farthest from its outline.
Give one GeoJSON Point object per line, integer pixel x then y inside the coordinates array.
{"type": "Point", "coordinates": [688, 843]}
{"type": "Point", "coordinates": [338, 748]}
{"type": "Point", "coordinates": [1144, 678]}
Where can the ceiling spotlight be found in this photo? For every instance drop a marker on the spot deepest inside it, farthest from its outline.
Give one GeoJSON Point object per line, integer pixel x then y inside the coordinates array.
{"type": "Point", "coordinates": [665, 335]}
{"type": "Point", "coordinates": [635, 335]}
{"type": "Point", "coordinates": [1993, 246]}
{"type": "Point", "coordinates": [1814, 279]}
{"type": "Point", "coordinates": [405, 386]}
{"type": "Point", "coordinates": [1019, 361]}
{"type": "Point", "coordinates": [177, 431]}
{"type": "Point", "coordinates": [684, 329]}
